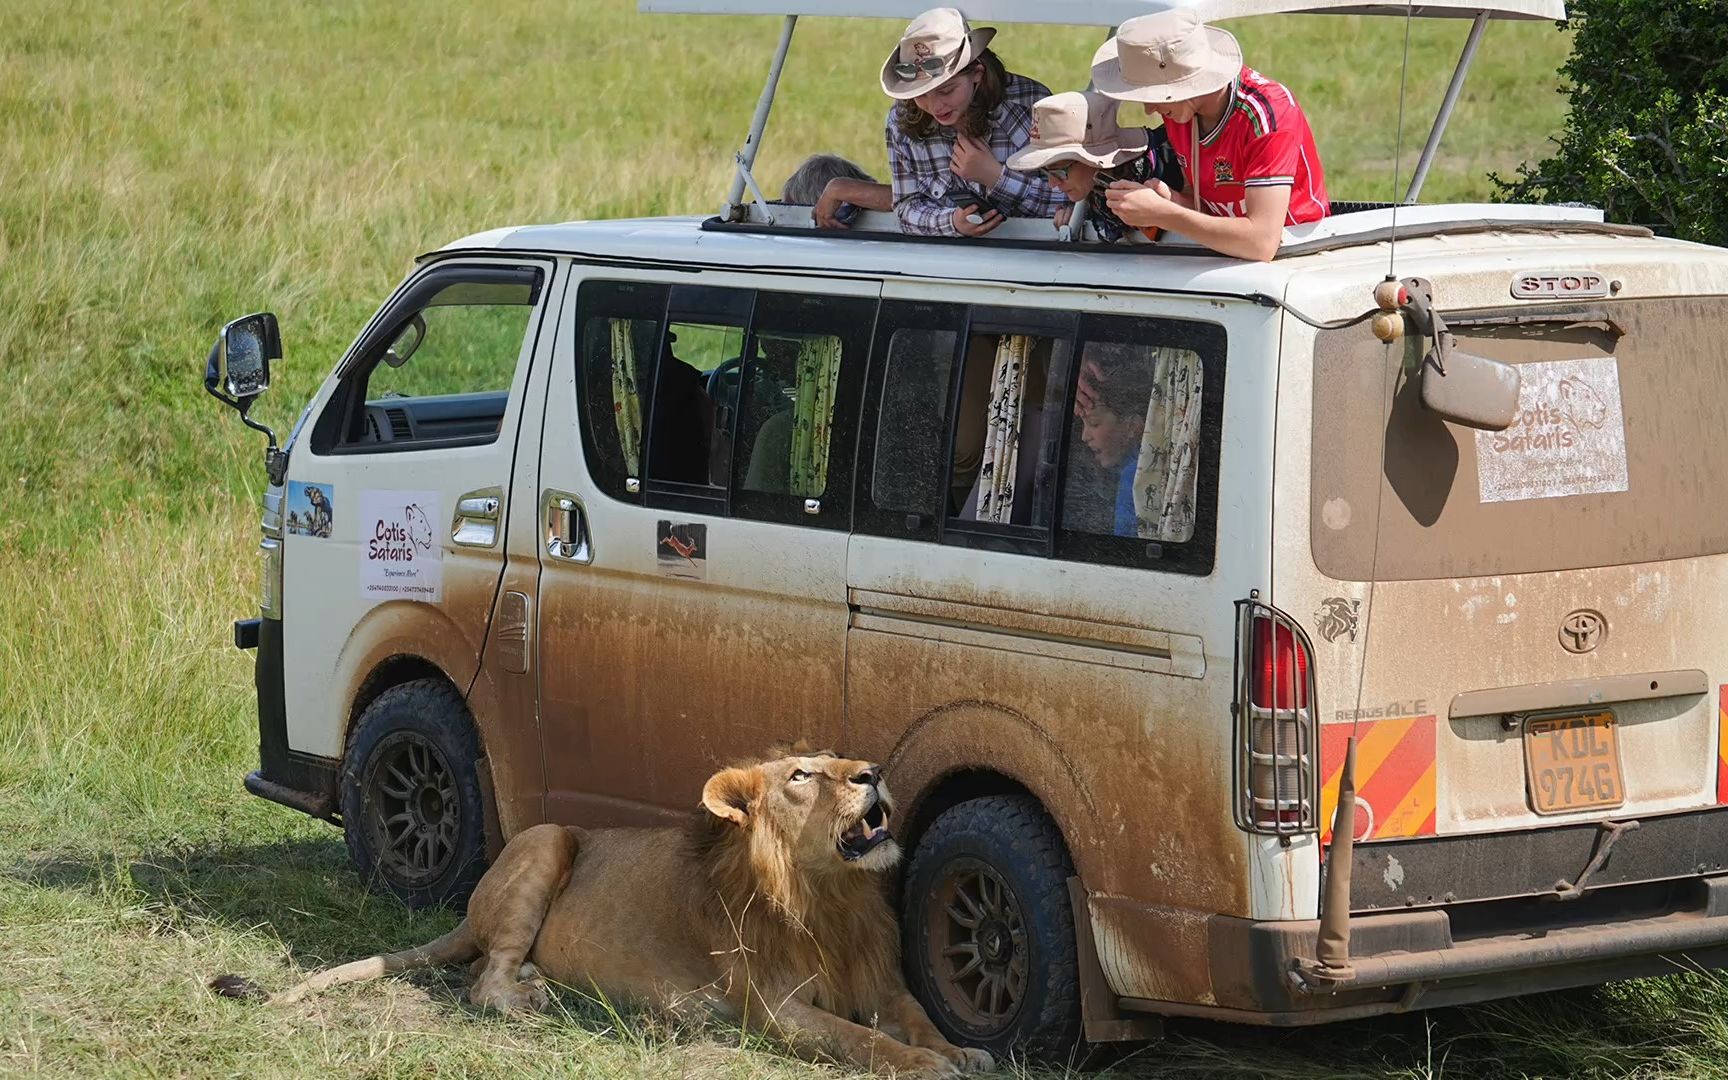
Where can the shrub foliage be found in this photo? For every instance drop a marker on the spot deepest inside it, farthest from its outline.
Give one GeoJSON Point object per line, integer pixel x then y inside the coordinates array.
{"type": "Point", "coordinates": [1646, 138]}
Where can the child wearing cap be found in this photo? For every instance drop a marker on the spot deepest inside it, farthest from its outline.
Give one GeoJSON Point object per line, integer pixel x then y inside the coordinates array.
{"type": "Point", "coordinates": [1240, 137]}
{"type": "Point", "coordinates": [1079, 148]}
{"type": "Point", "coordinates": [958, 116]}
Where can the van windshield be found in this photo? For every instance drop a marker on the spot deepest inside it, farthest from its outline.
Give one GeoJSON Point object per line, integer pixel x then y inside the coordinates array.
{"type": "Point", "coordinates": [1613, 459]}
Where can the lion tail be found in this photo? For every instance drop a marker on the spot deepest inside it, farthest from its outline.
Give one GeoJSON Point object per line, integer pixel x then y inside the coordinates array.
{"type": "Point", "coordinates": [456, 947]}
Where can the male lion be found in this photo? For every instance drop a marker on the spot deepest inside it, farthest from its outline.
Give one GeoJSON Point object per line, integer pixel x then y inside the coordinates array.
{"type": "Point", "coordinates": [767, 909]}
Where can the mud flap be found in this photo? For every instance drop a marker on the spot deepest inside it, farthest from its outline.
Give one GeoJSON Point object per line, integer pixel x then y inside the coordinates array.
{"type": "Point", "coordinates": [1100, 1017]}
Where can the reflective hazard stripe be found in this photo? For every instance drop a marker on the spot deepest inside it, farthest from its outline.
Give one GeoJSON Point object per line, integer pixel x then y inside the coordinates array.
{"type": "Point", "coordinates": [1722, 744]}
{"type": "Point", "coordinates": [1396, 777]}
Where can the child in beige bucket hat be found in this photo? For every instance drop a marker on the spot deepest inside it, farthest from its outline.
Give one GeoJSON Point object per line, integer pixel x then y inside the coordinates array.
{"type": "Point", "coordinates": [1081, 149]}
{"type": "Point", "coordinates": [1243, 143]}
{"type": "Point", "coordinates": [958, 116]}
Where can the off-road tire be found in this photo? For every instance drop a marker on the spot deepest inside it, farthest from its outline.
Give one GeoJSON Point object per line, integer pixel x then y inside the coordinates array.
{"type": "Point", "coordinates": [425, 731]}
{"type": "Point", "coordinates": [1007, 838]}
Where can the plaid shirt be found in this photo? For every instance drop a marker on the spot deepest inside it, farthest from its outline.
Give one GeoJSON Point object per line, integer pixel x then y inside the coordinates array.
{"type": "Point", "coordinates": [922, 181]}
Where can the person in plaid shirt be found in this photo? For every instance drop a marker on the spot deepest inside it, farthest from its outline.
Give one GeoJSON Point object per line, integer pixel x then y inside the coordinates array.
{"type": "Point", "coordinates": [958, 117]}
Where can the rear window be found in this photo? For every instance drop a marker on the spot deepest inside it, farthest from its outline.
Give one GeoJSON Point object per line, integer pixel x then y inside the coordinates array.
{"type": "Point", "coordinates": [1612, 460]}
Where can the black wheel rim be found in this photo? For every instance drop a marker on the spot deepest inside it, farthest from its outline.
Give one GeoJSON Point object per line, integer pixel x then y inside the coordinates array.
{"type": "Point", "coordinates": [411, 809]}
{"type": "Point", "coordinates": [977, 948]}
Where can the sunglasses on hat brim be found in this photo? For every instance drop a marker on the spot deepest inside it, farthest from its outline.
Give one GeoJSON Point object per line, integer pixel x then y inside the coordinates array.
{"type": "Point", "coordinates": [931, 66]}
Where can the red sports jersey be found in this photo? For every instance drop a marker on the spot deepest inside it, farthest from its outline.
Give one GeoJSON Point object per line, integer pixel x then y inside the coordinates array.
{"type": "Point", "coordinates": [1263, 141]}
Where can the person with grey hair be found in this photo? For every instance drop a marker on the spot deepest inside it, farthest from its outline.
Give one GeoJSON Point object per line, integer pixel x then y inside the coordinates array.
{"type": "Point", "coordinates": [829, 184]}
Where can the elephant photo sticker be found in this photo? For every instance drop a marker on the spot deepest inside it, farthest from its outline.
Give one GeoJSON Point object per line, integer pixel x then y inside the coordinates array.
{"type": "Point", "coordinates": [1569, 437]}
{"type": "Point", "coordinates": [400, 554]}
{"type": "Point", "coordinates": [311, 509]}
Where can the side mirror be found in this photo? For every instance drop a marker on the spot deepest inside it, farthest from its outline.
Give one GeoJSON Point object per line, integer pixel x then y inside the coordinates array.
{"type": "Point", "coordinates": [1468, 389]}
{"type": "Point", "coordinates": [407, 340]}
{"type": "Point", "coordinates": [238, 370]}
{"type": "Point", "coordinates": [239, 362]}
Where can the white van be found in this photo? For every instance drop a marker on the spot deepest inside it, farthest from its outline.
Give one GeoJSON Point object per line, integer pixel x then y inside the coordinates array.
{"type": "Point", "coordinates": [589, 509]}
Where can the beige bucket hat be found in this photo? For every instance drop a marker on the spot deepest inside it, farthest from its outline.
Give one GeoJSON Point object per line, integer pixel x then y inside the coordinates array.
{"type": "Point", "coordinates": [1078, 126]}
{"type": "Point", "coordinates": [936, 46]}
{"type": "Point", "coordinates": [1170, 56]}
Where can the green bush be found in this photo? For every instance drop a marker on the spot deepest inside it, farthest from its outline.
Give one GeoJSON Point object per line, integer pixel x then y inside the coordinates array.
{"type": "Point", "coordinates": [1647, 135]}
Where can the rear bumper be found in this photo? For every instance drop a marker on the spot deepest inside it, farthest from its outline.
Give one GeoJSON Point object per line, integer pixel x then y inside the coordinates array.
{"type": "Point", "coordinates": [1411, 960]}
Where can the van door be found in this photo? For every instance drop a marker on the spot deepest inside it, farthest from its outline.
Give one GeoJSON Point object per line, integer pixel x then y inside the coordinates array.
{"type": "Point", "coordinates": [395, 503]}
{"type": "Point", "coordinates": [1036, 592]}
{"type": "Point", "coordinates": [1530, 615]}
{"type": "Point", "coordinates": [697, 468]}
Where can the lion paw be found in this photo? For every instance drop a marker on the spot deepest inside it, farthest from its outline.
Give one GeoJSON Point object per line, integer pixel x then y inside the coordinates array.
{"type": "Point", "coordinates": [970, 1059]}
{"type": "Point", "coordinates": [918, 1061]}
{"type": "Point", "coordinates": [520, 997]}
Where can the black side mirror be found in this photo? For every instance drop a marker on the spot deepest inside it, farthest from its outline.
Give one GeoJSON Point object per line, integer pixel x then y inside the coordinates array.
{"type": "Point", "coordinates": [238, 370]}
{"type": "Point", "coordinates": [239, 362]}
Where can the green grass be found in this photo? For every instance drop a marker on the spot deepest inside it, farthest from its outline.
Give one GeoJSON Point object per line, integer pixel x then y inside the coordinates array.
{"type": "Point", "coordinates": [167, 166]}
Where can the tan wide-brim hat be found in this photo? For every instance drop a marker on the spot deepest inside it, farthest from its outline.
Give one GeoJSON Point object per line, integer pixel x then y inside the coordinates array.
{"type": "Point", "coordinates": [1078, 126]}
{"type": "Point", "coordinates": [936, 46]}
{"type": "Point", "coordinates": [1170, 56]}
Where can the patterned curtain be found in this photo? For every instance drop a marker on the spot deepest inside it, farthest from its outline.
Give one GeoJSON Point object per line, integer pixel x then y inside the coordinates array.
{"type": "Point", "coordinates": [1169, 461]}
{"type": "Point", "coordinates": [626, 401]}
{"type": "Point", "coordinates": [813, 414]}
{"type": "Point", "coordinates": [1002, 430]}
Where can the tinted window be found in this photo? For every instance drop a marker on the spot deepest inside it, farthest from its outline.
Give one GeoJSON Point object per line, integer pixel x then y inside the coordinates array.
{"type": "Point", "coordinates": [798, 407]}
{"type": "Point", "coordinates": [1009, 416]}
{"type": "Point", "coordinates": [619, 333]}
{"type": "Point", "coordinates": [1140, 463]}
{"type": "Point", "coordinates": [1133, 455]}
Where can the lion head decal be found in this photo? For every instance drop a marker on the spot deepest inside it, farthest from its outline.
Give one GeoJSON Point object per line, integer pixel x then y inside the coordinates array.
{"type": "Point", "coordinates": [1582, 406]}
{"type": "Point", "coordinates": [1337, 617]}
{"type": "Point", "coordinates": [419, 526]}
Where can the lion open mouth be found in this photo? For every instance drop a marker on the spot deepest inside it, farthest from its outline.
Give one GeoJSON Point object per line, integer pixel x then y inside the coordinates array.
{"type": "Point", "coordinates": [866, 834]}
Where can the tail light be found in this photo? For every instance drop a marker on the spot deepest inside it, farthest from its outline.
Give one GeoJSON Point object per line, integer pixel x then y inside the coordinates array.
{"type": "Point", "coordinates": [1277, 724]}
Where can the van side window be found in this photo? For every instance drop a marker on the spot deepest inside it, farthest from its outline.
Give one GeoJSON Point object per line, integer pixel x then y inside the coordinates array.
{"type": "Point", "coordinates": [438, 370]}
{"type": "Point", "coordinates": [693, 399]}
{"type": "Point", "coordinates": [618, 338]}
{"type": "Point", "coordinates": [903, 450]}
{"type": "Point", "coordinates": [798, 395]}
{"type": "Point", "coordinates": [1010, 410]}
{"type": "Point", "coordinates": [1140, 466]}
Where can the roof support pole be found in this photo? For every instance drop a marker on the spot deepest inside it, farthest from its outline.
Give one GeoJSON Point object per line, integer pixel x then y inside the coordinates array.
{"type": "Point", "coordinates": [1446, 104]}
{"type": "Point", "coordinates": [746, 156]}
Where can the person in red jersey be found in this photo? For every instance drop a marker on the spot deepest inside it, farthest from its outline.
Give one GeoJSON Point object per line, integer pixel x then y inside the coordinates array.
{"type": "Point", "coordinates": [1243, 142]}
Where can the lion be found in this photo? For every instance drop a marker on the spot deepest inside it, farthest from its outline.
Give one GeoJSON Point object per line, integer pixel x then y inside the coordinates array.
{"type": "Point", "coordinates": [767, 909]}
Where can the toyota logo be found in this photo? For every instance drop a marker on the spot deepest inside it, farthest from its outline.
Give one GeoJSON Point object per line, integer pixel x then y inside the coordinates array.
{"type": "Point", "coordinates": [1582, 630]}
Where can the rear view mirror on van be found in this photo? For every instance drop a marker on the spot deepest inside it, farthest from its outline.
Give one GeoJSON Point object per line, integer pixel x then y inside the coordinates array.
{"type": "Point", "coordinates": [239, 362]}
{"type": "Point", "coordinates": [1459, 386]}
{"type": "Point", "coordinates": [238, 370]}
{"type": "Point", "coordinates": [1468, 389]}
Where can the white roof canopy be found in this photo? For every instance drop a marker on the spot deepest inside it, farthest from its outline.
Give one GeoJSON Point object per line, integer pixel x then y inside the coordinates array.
{"type": "Point", "coordinates": [1110, 12]}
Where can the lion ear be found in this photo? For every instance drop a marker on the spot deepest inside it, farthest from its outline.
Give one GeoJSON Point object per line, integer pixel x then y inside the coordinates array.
{"type": "Point", "coordinates": [729, 793]}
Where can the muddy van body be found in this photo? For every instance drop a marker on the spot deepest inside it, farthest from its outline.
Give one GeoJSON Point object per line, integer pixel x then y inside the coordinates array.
{"type": "Point", "coordinates": [1107, 553]}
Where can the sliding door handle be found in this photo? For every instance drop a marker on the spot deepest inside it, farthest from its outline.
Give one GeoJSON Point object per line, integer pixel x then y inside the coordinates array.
{"type": "Point", "coordinates": [564, 525]}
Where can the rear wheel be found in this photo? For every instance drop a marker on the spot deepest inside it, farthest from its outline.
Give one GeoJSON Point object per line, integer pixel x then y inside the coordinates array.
{"type": "Point", "coordinates": [988, 936]}
{"type": "Point", "coordinates": [411, 804]}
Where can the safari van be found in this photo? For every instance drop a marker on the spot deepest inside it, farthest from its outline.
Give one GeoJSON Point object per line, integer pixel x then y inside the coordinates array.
{"type": "Point", "coordinates": [1368, 657]}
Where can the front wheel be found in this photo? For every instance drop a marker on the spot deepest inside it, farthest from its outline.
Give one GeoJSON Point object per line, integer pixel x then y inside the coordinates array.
{"type": "Point", "coordinates": [987, 932]}
{"type": "Point", "coordinates": [411, 804]}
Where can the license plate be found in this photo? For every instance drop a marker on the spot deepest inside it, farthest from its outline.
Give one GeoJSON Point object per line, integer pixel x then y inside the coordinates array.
{"type": "Point", "coordinates": [1573, 763]}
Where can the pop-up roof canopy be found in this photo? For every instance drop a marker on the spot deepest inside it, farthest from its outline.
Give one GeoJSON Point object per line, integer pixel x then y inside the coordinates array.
{"type": "Point", "coordinates": [1109, 13]}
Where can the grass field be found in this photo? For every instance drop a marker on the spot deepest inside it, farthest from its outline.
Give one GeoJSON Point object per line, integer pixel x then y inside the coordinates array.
{"type": "Point", "coordinates": [166, 166]}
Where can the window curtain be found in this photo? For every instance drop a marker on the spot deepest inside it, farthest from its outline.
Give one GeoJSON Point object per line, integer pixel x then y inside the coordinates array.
{"type": "Point", "coordinates": [813, 414]}
{"type": "Point", "coordinates": [1164, 477]}
{"type": "Point", "coordinates": [626, 401]}
{"type": "Point", "coordinates": [1002, 429]}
